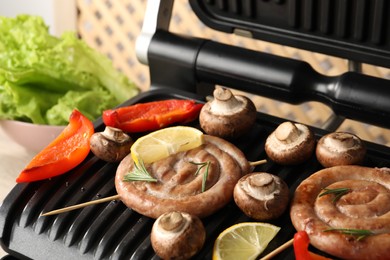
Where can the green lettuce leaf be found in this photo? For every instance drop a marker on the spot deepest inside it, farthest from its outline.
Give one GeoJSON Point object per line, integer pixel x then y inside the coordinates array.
{"type": "Point", "coordinates": [81, 100]}
{"type": "Point", "coordinates": [43, 77]}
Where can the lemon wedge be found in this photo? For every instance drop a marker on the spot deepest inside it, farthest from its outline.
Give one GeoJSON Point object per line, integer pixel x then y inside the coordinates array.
{"type": "Point", "coordinates": [244, 241]}
{"type": "Point", "coordinates": [164, 142]}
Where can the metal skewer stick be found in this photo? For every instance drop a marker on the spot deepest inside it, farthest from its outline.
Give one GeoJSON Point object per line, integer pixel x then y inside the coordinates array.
{"type": "Point", "coordinates": [114, 197]}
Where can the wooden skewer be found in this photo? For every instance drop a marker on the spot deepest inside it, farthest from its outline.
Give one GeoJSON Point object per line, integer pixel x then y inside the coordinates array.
{"type": "Point", "coordinates": [115, 197]}
{"type": "Point", "coordinates": [278, 250]}
{"type": "Point", "coordinates": [82, 205]}
{"type": "Point", "coordinates": [258, 162]}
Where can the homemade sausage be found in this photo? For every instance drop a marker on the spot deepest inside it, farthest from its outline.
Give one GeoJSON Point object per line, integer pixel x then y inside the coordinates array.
{"type": "Point", "coordinates": [178, 188]}
{"type": "Point", "coordinates": [364, 206]}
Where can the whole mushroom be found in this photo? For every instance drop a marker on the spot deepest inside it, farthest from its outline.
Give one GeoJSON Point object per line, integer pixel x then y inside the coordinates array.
{"type": "Point", "coordinates": [227, 116]}
{"type": "Point", "coordinates": [261, 196]}
{"type": "Point", "coordinates": [111, 145]}
{"type": "Point", "coordinates": [340, 148]}
{"type": "Point", "coordinates": [177, 235]}
{"type": "Point", "coordinates": [290, 144]}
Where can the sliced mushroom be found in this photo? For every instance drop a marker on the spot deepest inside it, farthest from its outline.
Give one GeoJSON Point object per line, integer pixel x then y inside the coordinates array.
{"type": "Point", "coordinates": [111, 145]}
{"type": "Point", "coordinates": [227, 116]}
{"type": "Point", "coordinates": [340, 148]}
{"type": "Point", "coordinates": [290, 144]}
{"type": "Point", "coordinates": [177, 235]}
{"type": "Point", "coordinates": [261, 196]}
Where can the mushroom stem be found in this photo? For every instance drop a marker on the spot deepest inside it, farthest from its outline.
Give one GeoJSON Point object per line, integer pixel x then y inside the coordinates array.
{"type": "Point", "coordinates": [262, 185]}
{"type": "Point", "coordinates": [172, 222]}
{"type": "Point", "coordinates": [287, 132]}
{"type": "Point", "coordinates": [224, 102]}
{"type": "Point", "coordinates": [340, 141]}
{"type": "Point", "coordinates": [262, 181]}
{"type": "Point", "coordinates": [115, 134]}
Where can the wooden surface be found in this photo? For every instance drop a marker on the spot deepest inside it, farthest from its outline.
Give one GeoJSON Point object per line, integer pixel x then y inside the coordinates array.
{"type": "Point", "coordinates": [13, 158]}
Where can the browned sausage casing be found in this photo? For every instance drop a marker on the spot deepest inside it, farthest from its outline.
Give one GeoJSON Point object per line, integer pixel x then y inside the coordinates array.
{"type": "Point", "coordinates": [366, 206]}
{"type": "Point", "coordinates": [178, 188]}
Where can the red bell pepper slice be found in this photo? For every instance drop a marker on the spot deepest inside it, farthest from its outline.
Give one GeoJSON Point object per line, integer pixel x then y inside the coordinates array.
{"type": "Point", "coordinates": [151, 116]}
{"type": "Point", "coordinates": [64, 153]}
{"type": "Point", "coordinates": [301, 248]}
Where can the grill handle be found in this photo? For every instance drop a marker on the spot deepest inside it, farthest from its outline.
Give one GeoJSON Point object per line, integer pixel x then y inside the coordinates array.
{"type": "Point", "coordinates": [352, 95]}
{"type": "Point", "coordinates": [184, 62]}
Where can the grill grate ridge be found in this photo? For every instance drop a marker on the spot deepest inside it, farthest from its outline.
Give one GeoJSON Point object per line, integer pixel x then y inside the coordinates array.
{"type": "Point", "coordinates": [97, 227]}
{"type": "Point", "coordinates": [378, 22]}
{"type": "Point", "coordinates": [131, 240]}
{"type": "Point", "coordinates": [248, 7]}
{"type": "Point", "coordinates": [32, 208]}
{"type": "Point", "coordinates": [79, 189]}
{"type": "Point", "coordinates": [87, 217]}
{"type": "Point", "coordinates": [117, 230]}
{"type": "Point", "coordinates": [112, 231]}
{"type": "Point", "coordinates": [325, 22]}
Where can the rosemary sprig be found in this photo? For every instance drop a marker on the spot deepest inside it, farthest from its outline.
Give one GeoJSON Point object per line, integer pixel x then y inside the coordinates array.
{"type": "Point", "coordinates": [360, 233]}
{"type": "Point", "coordinates": [139, 173]}
{"type": "Point", "coordinates": [205, 174]}
{"type": "Point", "coordinates": [338, 192]}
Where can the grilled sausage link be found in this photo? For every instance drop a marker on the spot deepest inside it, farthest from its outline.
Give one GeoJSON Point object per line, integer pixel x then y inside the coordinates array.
{"type": "Point", "coordinates": [364, 205]}
{"type": "Point", "coordinates": [178, 187]}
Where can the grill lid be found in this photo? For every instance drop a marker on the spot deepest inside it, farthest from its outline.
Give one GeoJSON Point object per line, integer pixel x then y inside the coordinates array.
{"type": "Point", "coordinates": [354, 30]}
{"type": "Point", "coordinates": [196, 64]}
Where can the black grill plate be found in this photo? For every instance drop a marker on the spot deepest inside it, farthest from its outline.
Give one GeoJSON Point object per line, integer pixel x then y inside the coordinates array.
{"type": "Point", "coordinates": [111, 230]}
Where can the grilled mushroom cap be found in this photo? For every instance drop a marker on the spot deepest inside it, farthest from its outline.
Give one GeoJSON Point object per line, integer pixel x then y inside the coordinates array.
{"type": "Point", "coordinates": [227, 116]}
{"type": "Point", "coordinates": [111, 145]}
{"type": "Point", "coordinates": [340, 148]}
{"type": "Point", "coordinates": [261, 196]}
{"type": "Point", "coordinates": [177, 235]}
{"type": "Point", "coordinates": [290, 144]}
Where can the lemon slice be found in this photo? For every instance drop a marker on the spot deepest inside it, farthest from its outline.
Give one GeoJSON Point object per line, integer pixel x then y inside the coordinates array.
{"type": "Point", "coordinates": [164, 142]}
{"type": "Point", "coordinates": [244, 241]}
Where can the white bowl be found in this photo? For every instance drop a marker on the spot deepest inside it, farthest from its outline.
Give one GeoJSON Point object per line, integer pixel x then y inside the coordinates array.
{"type": "Point", "coordinates": [33, 137]}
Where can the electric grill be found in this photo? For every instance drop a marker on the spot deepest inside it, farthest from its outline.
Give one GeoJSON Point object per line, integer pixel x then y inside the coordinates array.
{"type": "Point", "coordinates": [188, 68]}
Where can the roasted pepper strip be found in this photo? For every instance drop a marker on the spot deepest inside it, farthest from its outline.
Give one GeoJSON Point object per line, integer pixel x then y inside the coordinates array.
{"type": "Point", "coordinates": [152, 115]}
{"type": "Point", "coordinates": [67, 151]}
{"type": "Point", "coordinates": [301, 248]}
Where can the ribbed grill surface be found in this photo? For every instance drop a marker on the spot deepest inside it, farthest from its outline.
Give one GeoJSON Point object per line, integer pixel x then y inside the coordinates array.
{"type": "Point", "coordinates": [360, 20]}
{"type": "Point", "coordinates": [112, 231]}
{"type": "Point", "coordinates": [347, 28]}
